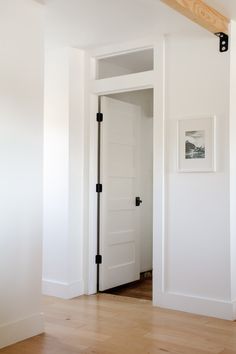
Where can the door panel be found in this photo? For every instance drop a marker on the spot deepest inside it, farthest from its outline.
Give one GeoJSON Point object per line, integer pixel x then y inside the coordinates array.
{"type": "Point", "coordinates": [121, 160]}
{"type": "Point", "coordinates": [119, 175]}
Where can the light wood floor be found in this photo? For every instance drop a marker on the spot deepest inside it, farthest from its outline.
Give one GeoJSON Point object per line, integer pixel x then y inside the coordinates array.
{"type": "Point", "coordinates": [110, 324]}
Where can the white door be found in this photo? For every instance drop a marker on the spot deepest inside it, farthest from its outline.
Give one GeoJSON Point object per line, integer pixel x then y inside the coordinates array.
{"type": "Point", "coordinates": [119, 233]}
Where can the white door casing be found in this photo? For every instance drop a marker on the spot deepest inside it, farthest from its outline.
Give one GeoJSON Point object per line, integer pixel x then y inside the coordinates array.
{"type": "Point", "coordinates": [119, 233]}
{"type": "Point", "coordinates": [129, 83]}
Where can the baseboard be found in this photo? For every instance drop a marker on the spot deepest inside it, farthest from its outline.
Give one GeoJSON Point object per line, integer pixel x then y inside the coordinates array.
{"type": "Point", "coordinates": [234, 310]}
{"type": "Point", "coordinates": [197, 305]}
{"type": "Point", "coordinates": [20, 330]}
{"type": "Point", "coordinates": [61, 289]}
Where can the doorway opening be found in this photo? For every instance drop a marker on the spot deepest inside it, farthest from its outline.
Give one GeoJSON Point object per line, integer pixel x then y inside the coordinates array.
{"type": "Point", "coordinates": [125, 194]}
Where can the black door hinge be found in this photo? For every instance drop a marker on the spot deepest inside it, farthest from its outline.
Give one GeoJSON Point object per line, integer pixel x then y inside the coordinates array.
{"type": "Point", "coordinates": [224, 41]}
{"type": "Point", "coordinates": [99, 117]}
{"type": "Point", "coordinates": [98, 259]}
{"type": "Point", "coordinates": [99, 188]}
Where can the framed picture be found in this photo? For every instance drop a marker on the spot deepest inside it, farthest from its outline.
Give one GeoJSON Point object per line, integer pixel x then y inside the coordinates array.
{"type": "Point", "coordinates": [196, 145]}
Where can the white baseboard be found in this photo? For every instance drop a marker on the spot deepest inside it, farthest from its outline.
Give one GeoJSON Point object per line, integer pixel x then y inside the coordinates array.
{"type": "Point", "coordinates": [201, 306]}
{"type": "Point", "coordinates": [20, 330]}
{"type": "Point", "coordinates": [61, 289]}
{"type": "Point", "coordinates": [234, 310]}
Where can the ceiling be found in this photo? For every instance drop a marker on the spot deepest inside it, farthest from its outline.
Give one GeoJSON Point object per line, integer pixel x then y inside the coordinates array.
{"type": "Point", "coordinates": [226, 7]}
{"type": "Point", "coordinates": [91, 23]}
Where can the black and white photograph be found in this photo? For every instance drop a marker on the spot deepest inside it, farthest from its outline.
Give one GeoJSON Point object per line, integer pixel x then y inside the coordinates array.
{"type": "Point", "coordinates": [195, 144]}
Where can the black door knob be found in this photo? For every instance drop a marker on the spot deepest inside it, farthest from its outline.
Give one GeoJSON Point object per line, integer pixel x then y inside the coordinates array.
{"type": "Point", "coordinates": [138, 201]}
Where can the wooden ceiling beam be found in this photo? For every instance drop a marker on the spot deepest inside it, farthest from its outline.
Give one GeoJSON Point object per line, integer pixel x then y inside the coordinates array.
{"type": "Point", "coordinates": [200, 13]}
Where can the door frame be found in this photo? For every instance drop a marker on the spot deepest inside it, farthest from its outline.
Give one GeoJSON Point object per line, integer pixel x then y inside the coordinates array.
{"type": "Point", "coordinates": [152, 79]}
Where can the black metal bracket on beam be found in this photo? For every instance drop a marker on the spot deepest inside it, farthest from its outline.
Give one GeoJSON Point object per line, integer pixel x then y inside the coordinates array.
{"type": "Point", "coordinates": [224, 41]}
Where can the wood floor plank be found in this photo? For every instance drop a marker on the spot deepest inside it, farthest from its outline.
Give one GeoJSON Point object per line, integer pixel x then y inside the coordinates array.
{"type": "Point", "coordinates": [110, 324]}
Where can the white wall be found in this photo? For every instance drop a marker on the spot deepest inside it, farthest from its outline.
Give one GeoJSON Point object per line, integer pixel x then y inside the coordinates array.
{"type": "Point", "coordinates": [197, 239]}
{"type": "Point", "coordinates": [197, 248]}
{"type": "Point", "coordinates": [21, 137]}
{"type": "Point", "coordinates": [233, 160]}
{"type": "Point", "coordinates": [63, 172]}
{"type": "Point", "coordinates": [144, 99]}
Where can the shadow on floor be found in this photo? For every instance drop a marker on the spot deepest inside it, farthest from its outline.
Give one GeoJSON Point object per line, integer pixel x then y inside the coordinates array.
{"type": "Point", "coordinates": [141, 289]}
